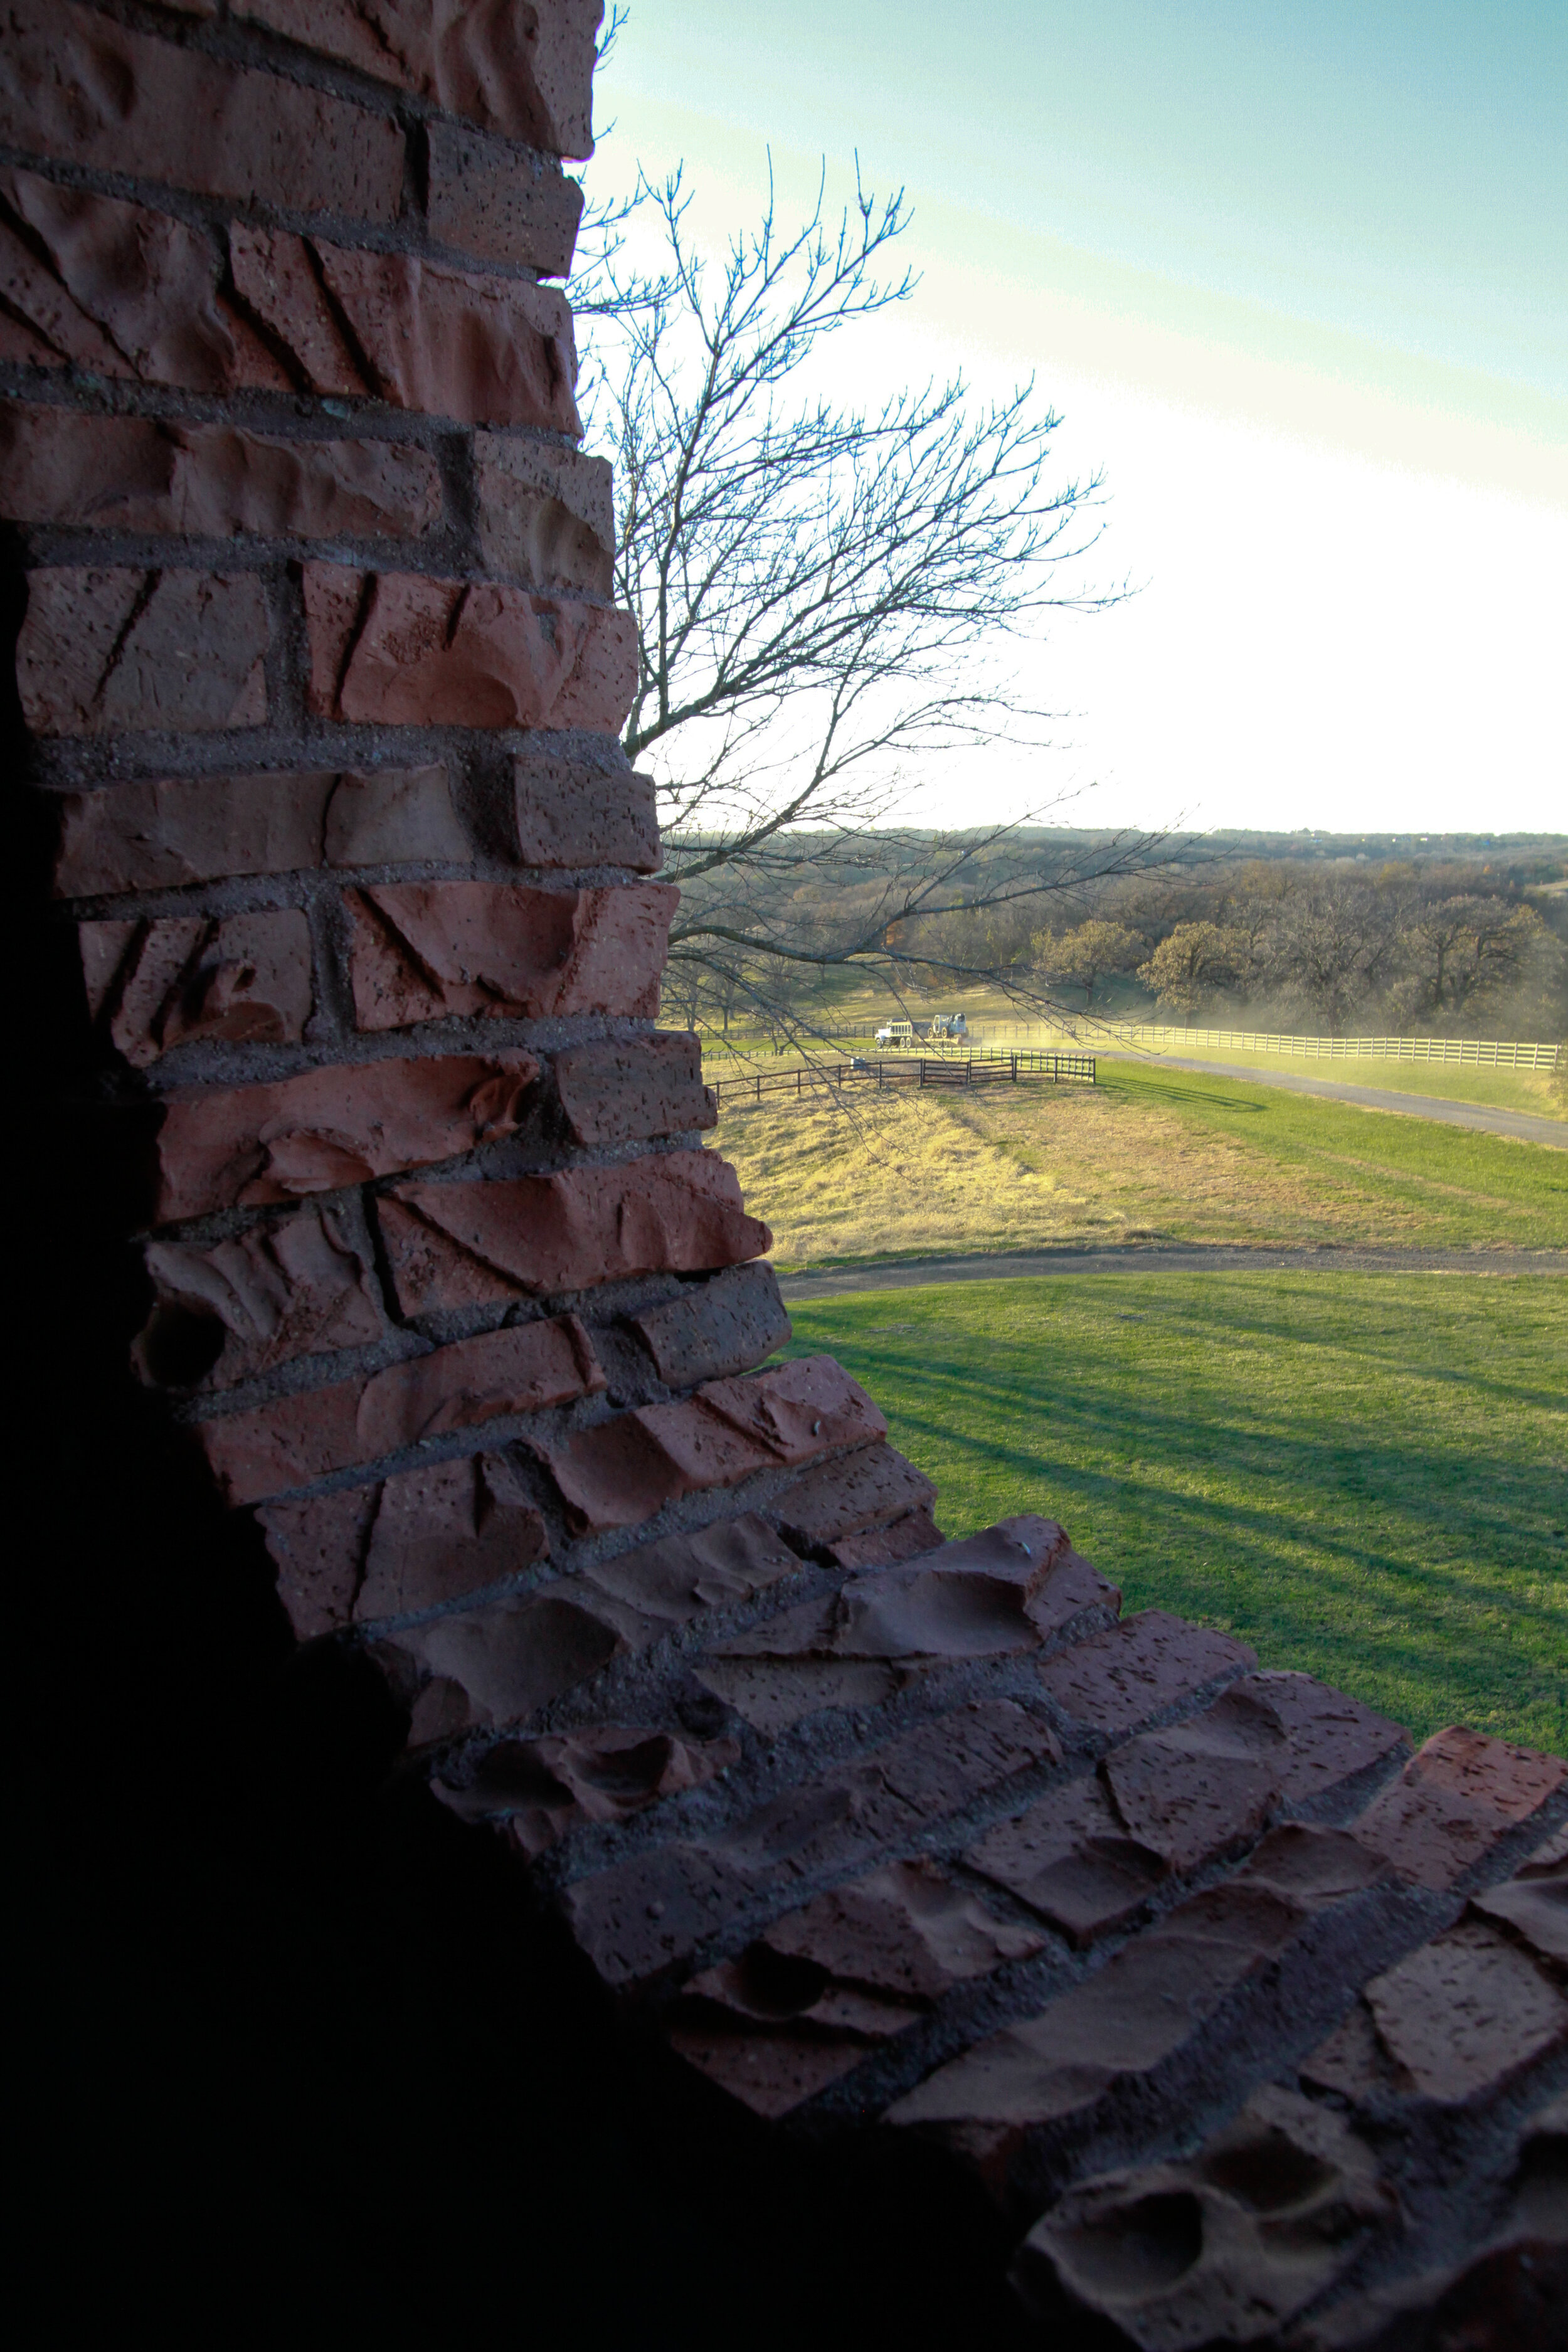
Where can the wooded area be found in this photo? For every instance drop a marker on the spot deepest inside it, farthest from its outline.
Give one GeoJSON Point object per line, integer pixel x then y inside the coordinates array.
{"type": "Point", "coordinates": [1314, 932]}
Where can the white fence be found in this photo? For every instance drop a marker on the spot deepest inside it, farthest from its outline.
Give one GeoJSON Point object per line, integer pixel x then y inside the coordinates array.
{"type": "Point", "coordinates": [1475, 1053]}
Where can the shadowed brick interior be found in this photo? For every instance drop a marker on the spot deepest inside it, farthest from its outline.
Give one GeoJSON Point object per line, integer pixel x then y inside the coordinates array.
{"type": "Point", "coordinates": [1181, 1989]}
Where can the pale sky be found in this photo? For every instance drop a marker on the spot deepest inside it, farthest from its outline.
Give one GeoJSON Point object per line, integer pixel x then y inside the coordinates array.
{"type": "Point", "coordinates": [1296, 279]}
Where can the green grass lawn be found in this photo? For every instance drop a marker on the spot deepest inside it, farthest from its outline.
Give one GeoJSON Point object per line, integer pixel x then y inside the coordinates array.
{"type": "Point", "coordinates": [1526, 1090]}
{"type": "Point", "coordinates": [1363, 1476]}
{"type": "Point", "coordinates": [1462, 1188]}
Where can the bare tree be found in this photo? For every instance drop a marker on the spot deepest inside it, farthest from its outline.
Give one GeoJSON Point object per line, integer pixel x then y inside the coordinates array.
{"type": "Point", "coordinates": [1332, 946]}
{"type": "Point", "coordinates": [1461, 951]}
{"type": "Point", "coordinates": [822, 592]}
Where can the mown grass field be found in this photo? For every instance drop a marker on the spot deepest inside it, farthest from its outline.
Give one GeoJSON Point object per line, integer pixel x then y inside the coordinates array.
{"type": "Point", "coordinates": [1151, 1154]}
{"type": "Point", "coordinates": [1526, 1090]}
{"type": "Point", "coordinates": [1363, 1476]}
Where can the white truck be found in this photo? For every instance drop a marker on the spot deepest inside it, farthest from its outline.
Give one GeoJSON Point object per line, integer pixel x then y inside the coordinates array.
{"type": "Point", "coordinates": [948, 1027]}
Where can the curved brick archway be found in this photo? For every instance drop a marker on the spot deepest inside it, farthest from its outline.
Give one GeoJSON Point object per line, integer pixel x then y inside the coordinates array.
{"type": "Point", "coordinates": [914, 1915]}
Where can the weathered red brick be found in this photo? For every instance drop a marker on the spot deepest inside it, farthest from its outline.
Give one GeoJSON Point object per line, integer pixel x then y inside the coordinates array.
{"type": "Point", "coordinates": [907, 1931]}
{"type": "Point", "coordinates": [63, 466]}
{"type": "Point", "coordinates": [862, 1490]}
{"type": "Point", "coordinates": [1252, 2275]}
{"type": "Point", "coordinates": [774, 1693]}
{"type": "Point", "coordinates": [1459, 2021]}
{"type": "Point", "coordinates": [995, 1595]}
{"type": "Point", "coordinates": [482, 197]}
{"type": "Point", "coordinates": [277, 276]}
{"type": "Point", "coordinates": [414, 1541]}
{"type": "Point", "coordinates": [544, 1788]}
{"type": "Point", "coordinates": [423, 951]}
{"type": "Point", "coordinates": [454, 342]}
{"type": "Point", "coordinates": [104, 651]}
{"type": "Point", "coordinates": [451, 1245]}
{"type": "Point", "coordinates": [857, 1646]}
{"type": "Point", "coordinates": [128, 473]}
{"type": "Point", "coordinates": [1330, 1738]}
{"type": "Point", "coordinates": [773, 2069]}
{"type": "Point", "coordinates": [646, 1917]}
{"type": "Point", "coordinates": [1455, 1798]}
{"type": "Point", "coordinates": [585, 816]}
{"type": "Point", "coordinates": [614, 1093]}
{"type": "Point", "coordinates": [391, 817]}
{"type": "Point", "coordinates": [1532, 1905]}
{"type": "Point", "coordinates": [888, 1546]}
{"type": "Point", "coordinates": [1070, 1858]}
{"type": "Point", "coordinates": [82, 87]}
{"type": "Point", "coordinates": [299, 1439]}
{"type": "Point", "coordinates": [624, 1470]}
{"type": "Point", "coordinates": [499, 1664]}
{"type": "Point", "coordinates": [298, 1287]}
{"type": "Point", "coordinates": [20, 345]}
{"type": "Point", "coordinates": [446, 1531]}
{"type": "Point", "coordinates": [723, 1327]}
{"type": "Point", "coordinates": [1504, 2296]}
{"type": "Point", "coordinates": [923, 1776]}
{"type": "Point", "coordinates": [318, 1547]}
{"type": "Point", "coordinates": [400, 650]}
{"type": "Point", "coordinates": [1188, 1793]}
{"type": "Point", "coordinates": [118, 290]}
{"type": "Point", "coordinates": [1137, 1669]}
{"type": "Point", "coordinates": [820, 1988]}
{"type": "Point", "coordinates": [797, 1410]}
{"type": "Point", "coordinates": [1146, 2003]}
{"type": "Point", "coordinates": [621, 1472]}
{"type": "Point", "coordinates": [164, 832]}
{"type": "Point", "coordinates": [242, 978]}
{"type": "Point", "coordinates": [546, 515]}
{"type": "Point", "coordinates": [642, 1917]}
{"type": "Point", "coordinates": [421, 334]}
{"type": "Point", "coordinates": [241, 1146]}
{"type": "Point", "coordinates": [514, 67]}
{"type": "Point", "coordinates": [502, 1663]}
{"type": "Point", "coordinates": [674, 1580]}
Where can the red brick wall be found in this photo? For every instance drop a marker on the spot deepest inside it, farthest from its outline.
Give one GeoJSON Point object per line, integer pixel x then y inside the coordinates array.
{"type": "Point", "coordinates": [321, 684]}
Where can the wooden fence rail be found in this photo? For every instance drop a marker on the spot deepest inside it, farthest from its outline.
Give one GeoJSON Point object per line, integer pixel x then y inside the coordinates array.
{"type": "Point", "coordinates": [1470, 1053]}
{"type": "Point", "coordinates": [988, 1069]}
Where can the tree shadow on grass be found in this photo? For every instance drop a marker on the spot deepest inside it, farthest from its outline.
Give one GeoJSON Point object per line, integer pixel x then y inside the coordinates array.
{"type": "Point", "coordinates": [1428, 1611]}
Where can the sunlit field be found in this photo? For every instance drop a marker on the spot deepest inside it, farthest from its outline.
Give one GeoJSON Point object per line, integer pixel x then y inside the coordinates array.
{"type": "Point", "coordinates": [1150, 1154]}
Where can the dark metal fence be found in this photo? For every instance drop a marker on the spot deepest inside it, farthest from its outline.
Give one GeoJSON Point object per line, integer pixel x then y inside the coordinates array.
{"type": "Point", "coordinates": [909, 1069]}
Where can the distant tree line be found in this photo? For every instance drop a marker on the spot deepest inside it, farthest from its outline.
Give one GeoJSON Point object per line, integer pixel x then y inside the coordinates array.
{"type": "Point", "coordinates": [1436, 947]}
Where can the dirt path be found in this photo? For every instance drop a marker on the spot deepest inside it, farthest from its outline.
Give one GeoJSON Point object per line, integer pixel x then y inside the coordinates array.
{"type": "Point", "coordinates": [1521, 1124]}
{"type": "Point", "coordinates": [1219, 1257]}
